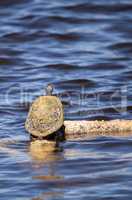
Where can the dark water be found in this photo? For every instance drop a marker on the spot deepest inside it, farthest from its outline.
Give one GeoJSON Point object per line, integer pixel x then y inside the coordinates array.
{"type": "Point", "coordinates": [85, 49]}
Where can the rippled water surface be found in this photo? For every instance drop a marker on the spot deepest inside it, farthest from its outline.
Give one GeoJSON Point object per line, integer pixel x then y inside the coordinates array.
{"type": "Point", "coordinates": [85, 49]}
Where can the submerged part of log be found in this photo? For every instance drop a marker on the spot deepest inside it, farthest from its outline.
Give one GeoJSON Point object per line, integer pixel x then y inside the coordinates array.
{"type": "Point", "coordinates": [81, 130]}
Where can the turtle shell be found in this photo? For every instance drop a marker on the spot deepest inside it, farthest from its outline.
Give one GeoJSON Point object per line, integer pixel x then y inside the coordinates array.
{"type": "Point", "coordinates": [45, 116]}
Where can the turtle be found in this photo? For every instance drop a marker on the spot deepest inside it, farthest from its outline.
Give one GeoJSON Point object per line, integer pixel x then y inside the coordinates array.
{"type": "Point", "coordinates": [45, 115]}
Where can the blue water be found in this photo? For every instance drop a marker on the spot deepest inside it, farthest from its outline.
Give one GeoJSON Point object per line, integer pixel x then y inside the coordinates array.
{"type": "Point", "coordinates": [84, 48]}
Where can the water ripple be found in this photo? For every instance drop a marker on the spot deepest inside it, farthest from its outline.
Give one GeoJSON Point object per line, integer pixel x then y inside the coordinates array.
{"type": "Point", "coordinates": [84, 49]}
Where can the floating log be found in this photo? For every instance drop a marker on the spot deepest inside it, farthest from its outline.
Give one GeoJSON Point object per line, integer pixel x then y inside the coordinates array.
{"type": "Point", "coordinates": [81, 130]}
{"type": "Point", "coordinates": [74, 130]}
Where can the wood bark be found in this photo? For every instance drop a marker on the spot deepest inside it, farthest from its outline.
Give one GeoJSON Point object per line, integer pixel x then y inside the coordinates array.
{"type": "Point", "coordinates": [89, 129]}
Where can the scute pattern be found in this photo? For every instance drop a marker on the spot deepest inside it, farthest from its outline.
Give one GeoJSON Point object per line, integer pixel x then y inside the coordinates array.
{"type": "Point", "coordinates": [45, 116]}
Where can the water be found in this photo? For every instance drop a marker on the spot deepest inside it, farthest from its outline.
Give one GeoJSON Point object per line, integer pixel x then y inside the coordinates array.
{"type": "Point", "coordinates": [84, 48]}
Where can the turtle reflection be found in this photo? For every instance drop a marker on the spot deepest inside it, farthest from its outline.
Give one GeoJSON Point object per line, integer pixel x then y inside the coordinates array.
{"type": "Point", "coordinates": [44, 151]}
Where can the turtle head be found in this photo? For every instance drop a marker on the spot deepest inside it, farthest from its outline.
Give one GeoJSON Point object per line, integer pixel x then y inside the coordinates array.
{"type": "Point", "coordinates": [49, 90]}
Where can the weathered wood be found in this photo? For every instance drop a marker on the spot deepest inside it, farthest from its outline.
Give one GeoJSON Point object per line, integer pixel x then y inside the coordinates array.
{"type": "Point", "coordinates": [87, 129]}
